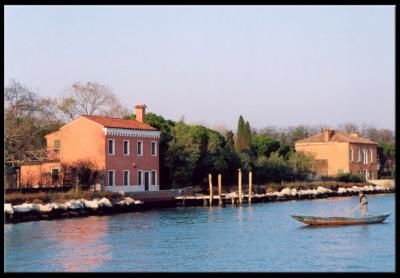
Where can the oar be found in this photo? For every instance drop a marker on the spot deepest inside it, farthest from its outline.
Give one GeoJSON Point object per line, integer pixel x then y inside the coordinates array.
{"type": "Point", "coordinates": [352, 211]}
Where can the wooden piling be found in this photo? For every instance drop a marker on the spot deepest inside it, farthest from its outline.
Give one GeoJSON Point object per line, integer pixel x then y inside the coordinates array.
{"type": "Point", "coordinates": [250, 186]}
{"type": "Point", "coordinates": [220, 190]}
{"type": "Point", "coordinates": [240, 186]}
{"type": "Point", "coordinates": [211, 189]}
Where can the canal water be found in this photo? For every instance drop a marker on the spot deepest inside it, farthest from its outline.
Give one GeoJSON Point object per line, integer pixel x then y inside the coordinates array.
{"type": "Point", "coordinates": [257, 238]}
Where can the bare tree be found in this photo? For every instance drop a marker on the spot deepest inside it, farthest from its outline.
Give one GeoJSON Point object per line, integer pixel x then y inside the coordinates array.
{"type": "Point", "coordinates": [347, 127]}
{"type": "Point", "coordinates": [90, 99]}
{"type": "Point", "coordinates": [28, 117]}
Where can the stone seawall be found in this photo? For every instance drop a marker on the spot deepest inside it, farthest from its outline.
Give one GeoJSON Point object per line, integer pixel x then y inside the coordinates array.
{"type": "Point", "coordinates": [141, 201]}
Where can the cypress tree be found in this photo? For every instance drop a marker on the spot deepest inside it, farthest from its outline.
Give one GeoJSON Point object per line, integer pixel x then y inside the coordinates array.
{"type": "Point", "coordinates": [241, 134]}
{"type": "Point", "coordinates": [247, 136]}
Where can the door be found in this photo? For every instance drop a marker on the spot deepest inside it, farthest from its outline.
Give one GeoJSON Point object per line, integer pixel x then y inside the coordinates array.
{"type": "Point", "coordinates": [146, 181]}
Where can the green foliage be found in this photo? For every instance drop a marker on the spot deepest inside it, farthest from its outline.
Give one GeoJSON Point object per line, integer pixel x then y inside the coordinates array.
{"type": "Point", "coordinates": [241, 135]}
{"type": "Point", "coordinates": [247, 136]}
{"type": "Point", "coordinates": [300, 165]}
{"type": "Point", "coordinates": [284, 150]}
{"type": "Point", "coordinates": [230, 143]}
{"type": "Point", "coordinates": [263, 145]}
{"type": "Point", "coordinates": [387, 157]}
{"type": "Point", "coordinates": [348, 177]}
{"type": "Point", "coordinates": [272, 169]}
{"type": "Point", "coordinates": [193, 152]}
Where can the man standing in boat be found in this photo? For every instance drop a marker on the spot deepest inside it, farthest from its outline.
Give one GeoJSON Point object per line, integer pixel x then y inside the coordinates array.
{"type": "Point", "coordinates": [363, 204]}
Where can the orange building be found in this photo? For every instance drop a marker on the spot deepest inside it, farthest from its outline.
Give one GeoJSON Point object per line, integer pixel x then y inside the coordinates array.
{"type": "Point", "coordinates": [126, 151]}
{"type": "Point", "coordinates": [336, 152]}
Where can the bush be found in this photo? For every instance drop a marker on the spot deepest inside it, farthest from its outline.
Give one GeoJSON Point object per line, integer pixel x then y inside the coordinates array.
{"type": "Point", "coordinates": [327, 178]}
{"type": "Point", "coordinates": [348, 177]}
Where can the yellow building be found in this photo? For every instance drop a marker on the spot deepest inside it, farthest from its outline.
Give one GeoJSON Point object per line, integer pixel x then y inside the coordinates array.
{"type": "Point", "coordinates": [336, 152]}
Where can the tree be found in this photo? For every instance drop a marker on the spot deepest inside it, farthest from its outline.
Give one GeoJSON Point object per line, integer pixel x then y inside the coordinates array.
{"type": "Point", "coordinates": [247, 136]}
{"type": "Point", "coordinates": [301, 165]}
{"type": "Point", "coordinates": [263, 145]}
{"type": "Point", "coordinates": [230, 143]}
{"type": "Point", "coordinates": [240, 135]}
{"type": "Point", "coordinates": [90, 99]}
{"type": "Point", "coordinates": [28, 117]}
{"type": "Point", "coordinates": [165, 127]}
{"type": "Point", "coordinates": [81, 173]}
{"type": "Point", "coordinates": [348, 127]}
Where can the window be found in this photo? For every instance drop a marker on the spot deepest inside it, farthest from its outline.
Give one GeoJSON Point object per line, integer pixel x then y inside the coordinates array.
{"type": "Point", "coordinates": [126, 147]}
{"type": "Point", "coordinates": [153, 177]}
{"type": "Point", "coordinates": [365, 156]}
{"type": "Point", "coordinates": [139, 147]}
{"type": "Point", "coordinates": [371, 159]}
{"type": "Point", "coordinates": [139, 177]}
{"type": "Point", "coordinates": [153, 148]}
{"type": "Point", "coordinates": [371, 175]}
{"type": "Point", "coordinates": [54, 175]}
{"type": "Point", "coordinates": [111, 178]}
{"type": "Point", "coordinates": [126, 177]}
{"type": "Point", "coordinates": [56, 146]}
{"type": "Point", "coordinates": [351, 154]}
{"type": "Point", "coordinates": [111, 149]}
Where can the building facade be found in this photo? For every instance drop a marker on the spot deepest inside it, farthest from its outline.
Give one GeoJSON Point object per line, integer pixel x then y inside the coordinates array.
{"type": "Point", "coordinates": [336, 152]}
{"type": "Point", "coordinates": [126, 152]}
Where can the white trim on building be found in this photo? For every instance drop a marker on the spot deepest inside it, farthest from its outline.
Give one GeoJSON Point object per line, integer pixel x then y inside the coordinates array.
{"type": "Point", "coordinates": [131, 132]}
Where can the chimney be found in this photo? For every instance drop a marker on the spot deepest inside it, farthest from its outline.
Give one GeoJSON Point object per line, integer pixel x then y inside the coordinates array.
{"type": "Point", "coordinates": [140, 112]}
{"type": "Point", "coordinates": [354, 134]}
{"type": "Point", "coordinates": [328, 133]}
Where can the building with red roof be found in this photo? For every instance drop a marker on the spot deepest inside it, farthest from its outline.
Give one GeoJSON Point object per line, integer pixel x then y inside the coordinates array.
{"type": "Point", "coordinates": [125, 151]}
{"type": "Point", "coordinates": [335, 152]}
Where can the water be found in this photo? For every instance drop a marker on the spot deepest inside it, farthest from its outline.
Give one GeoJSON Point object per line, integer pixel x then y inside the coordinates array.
{"type": "Point", "coordinates": [261, 238]}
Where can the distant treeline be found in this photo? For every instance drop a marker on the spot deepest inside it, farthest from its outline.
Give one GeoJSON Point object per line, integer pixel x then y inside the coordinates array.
{"type": "Point", "coordinates": [187, 152]}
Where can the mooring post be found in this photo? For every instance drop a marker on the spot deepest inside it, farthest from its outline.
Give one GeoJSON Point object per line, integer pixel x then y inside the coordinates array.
{"type": "Point", "coordinates": [219, 190]}
{"type": "Point", "coordinates": [250, 185]}
{"type": "Point", "coordinates": [211, 189]}
{"type": "Point", "coordinates": [240, 186]}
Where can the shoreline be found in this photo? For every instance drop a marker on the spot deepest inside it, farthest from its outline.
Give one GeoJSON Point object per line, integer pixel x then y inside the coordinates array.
{"type": "Point", "coordinates": [83, 208]}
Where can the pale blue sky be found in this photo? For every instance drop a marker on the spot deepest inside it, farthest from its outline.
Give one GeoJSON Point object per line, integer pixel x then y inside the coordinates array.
{"type": "Point", "coordinates": [275, 65]}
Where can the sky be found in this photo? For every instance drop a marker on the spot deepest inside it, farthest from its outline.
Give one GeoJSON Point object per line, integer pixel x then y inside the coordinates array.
{"type": "Point", "coordinates": [275, 65]}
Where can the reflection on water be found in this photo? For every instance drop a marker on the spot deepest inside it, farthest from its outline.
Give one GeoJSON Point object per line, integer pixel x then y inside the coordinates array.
{"type": "Point", "coordinates": [81, 243]}
{"type": "Point", "coordinates": [259, 237]}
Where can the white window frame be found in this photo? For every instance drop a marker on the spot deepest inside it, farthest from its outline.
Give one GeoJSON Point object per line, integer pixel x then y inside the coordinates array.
{"type": "Point", "coordinates": [123, 178]}
{"type": "Point", "coordinates": [123, 148]}
{"type": "Point", "coordinates": [155, 148]}
{"type": "Point", "coordinates": [351, 155]}
{"type": "Point", "coordinates": [108, 146]}
{"type": "Point", "coordinates": [141, 149]}
{"type": "Point", "coordinates": [141, 177]}
{"type": "Point", "coordinates": [155, 177]}
{"type": "Point", "coordinates": [108, 178]}
{"type": "Point", "coordinates": [365, 156]}
{"type": "Point", "coordinates": [358, 154]}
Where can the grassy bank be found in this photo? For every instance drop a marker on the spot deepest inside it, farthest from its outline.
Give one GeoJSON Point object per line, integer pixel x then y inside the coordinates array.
{"type": "Point", "coordinates": [17, 198]}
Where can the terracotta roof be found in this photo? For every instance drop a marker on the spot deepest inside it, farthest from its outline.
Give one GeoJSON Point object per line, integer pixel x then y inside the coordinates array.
{"type": "Point", "coordinates": [338, 136]}
{"type": "Point", "coordinates": [119, 123]}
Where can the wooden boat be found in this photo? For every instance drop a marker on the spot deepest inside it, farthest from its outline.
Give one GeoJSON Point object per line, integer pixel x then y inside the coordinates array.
{"type": "Point", "coordinates": [323, 220]}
